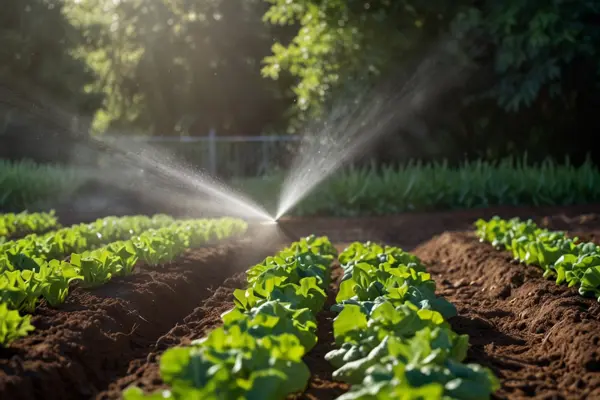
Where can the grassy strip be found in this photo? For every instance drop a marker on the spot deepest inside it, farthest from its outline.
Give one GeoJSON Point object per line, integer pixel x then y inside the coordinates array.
{"type": "Point", "coordinates": [12, 225]}
{"type": "Point", "coordinates": [393, 338]}
{"type": "Point", "coordinates": [26, 184]}
{"type": "Point", "coordinates": [437, 186]}
{"type": "Point", "coordinates": [562, 258]}
{"type": "Point", "coordinates": [20, 289]}
{"type": "Point", "coordinates": [257, 353]}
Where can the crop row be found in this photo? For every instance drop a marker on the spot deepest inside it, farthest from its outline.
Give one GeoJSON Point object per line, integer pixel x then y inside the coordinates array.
{"type": "Point", "coordinates": [22, 285]}
{"type": "Point", "coordinates": [257, 353]}
{"type": "Point", "coordinates": [562, 258]}
{"type": "Point", "coordinates": [77, 238]}
{"type": "Point", "coordinates": [23, 223]}
{"type": "Point", "coordinates": [392, 335]}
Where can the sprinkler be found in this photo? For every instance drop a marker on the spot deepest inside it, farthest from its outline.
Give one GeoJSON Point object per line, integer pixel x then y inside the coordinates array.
{"type": "Point", "coordinates": [286, 231]}
{"type": "Point", "coordinates": [288, 234]}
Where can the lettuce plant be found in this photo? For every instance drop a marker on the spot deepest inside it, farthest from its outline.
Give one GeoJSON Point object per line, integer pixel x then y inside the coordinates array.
{"type": "Point", "coordinates": [392, 335]}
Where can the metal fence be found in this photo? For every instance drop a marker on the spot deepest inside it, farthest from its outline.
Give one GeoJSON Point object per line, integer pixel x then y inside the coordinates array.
{"type": "Point", "coordinates": [228, 156]}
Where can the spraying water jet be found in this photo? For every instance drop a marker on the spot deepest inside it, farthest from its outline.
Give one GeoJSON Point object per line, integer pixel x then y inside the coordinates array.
{"type": "Point", "coordinates": [163, 177]}
{"type": "Point", "coordinates": [358, 120]}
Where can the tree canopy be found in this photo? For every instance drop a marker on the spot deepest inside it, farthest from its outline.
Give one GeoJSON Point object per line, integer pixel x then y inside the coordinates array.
{"type": "Point", "coordinates": [172, 67]}
{"type": "Point", "coordinates": [538, 63]}
{"type": "Point", "coordinates": [37, 44]}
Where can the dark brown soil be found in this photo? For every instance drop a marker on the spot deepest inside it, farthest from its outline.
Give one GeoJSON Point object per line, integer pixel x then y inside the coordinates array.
{"type": "Point", "coordinates": [145, 373]}
{"type": "Point", "coordinates": [78, 349]}
{"type": "Point", "coordinates": [539, 338]}
{"type": "Point", "coordinates": [542, 340]}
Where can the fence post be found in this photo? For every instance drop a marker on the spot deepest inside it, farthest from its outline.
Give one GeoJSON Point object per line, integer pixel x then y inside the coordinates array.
{"type": "Point", "coordinates": [212, 151]}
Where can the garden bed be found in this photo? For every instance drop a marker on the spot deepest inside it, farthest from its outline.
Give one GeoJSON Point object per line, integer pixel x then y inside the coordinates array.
{"type": "Point", "coordinates": [79, 348]}
{"type": "Point", "coordinates": [540, 339]}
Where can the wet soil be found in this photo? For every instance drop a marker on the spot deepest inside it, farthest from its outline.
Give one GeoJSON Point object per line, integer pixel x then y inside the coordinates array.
{"type": "Point", "coordinates": [144, 372]}
{"type": "Point", "coordinates": [79, 348]}
{"type": "Point", "coordinates": [539, 338]}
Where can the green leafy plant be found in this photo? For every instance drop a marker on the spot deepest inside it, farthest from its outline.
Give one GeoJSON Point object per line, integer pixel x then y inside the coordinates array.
{"type": "Point", "coordinates": [19, 224]}
{"type": "Point", "coordinates": [20, 290]}
{"type": "Point", "coordinates": [238, 364]}
{"type": "Point", "coordinates": [257, 353]}
{"type": "Point", "coordinates": [78, 238]}
{"type": "Point", "coordinates": [27, 276]}
{"type": "Point", "coordinates": [28, 185]}
{"type": "Point", "coordinates": [12, 325]}
{"type": "Point", "coordinates": [562, 258]}
{"type": "Point", "coordinates": [373, 272]}
{"type": "Point", "coordinates": [391, 345]}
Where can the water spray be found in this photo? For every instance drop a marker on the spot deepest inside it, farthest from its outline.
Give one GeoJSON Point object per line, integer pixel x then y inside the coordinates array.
{"type": "Point", "coordinates": [167, 178]}
{"type": "Point", "coordinates": [357, 120]}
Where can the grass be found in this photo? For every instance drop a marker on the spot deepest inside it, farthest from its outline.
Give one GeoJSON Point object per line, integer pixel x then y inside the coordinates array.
{"type": "Point", "coordinates": [358, 191]}
{"type": "Point", "coordinates": [437, 186]}
{"type": "Point", "coordinates": [26, 185]}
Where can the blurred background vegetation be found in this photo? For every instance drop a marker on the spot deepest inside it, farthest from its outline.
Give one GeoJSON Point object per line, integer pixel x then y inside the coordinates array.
{"type": "Point", "coordinates": [73, 68]}
{"type": "Point", "coordinates": [246, 67]}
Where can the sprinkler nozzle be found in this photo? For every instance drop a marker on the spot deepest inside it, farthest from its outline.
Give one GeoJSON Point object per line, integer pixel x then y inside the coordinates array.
{"type": "Point", "coordinates": [288, 234]}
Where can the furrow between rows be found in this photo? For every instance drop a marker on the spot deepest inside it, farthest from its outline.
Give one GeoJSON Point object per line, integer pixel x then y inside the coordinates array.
{"type": "Point", "coordinates": [539, 338]}
{"type": "Point", "coordinates": [77, 350]}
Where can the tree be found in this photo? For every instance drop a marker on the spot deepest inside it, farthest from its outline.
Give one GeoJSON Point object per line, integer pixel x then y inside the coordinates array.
{"type": "Point", "coordinates": [44, 85]}
{"type": "Point", "coordinates": [537, 64]}
{"type": "Point", "coordinates": [180, 66]}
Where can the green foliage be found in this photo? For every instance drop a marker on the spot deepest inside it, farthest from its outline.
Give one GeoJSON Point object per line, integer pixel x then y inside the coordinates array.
{"type": "Point", "coordinates": [37, 44]}
{"type": "Point", "coordinates": [373, 274]}
{"type": "Point", "coordinates": [275, 318]}
{"type": "Point", "coordinates": [257, 354]}
{"type": "Point", "coordinates": [238, 364]}
{"type": "Point", "coordinates": [29, 273]}
{"type": "Point", "coordinates": [437, 186]}
{"type": "Point", "coordinates": [21, 289]}
{"type": "Point", "coordinates": [534, 81]}
{"type": "Point", "coordinates": [297, 275]}
{"type": "Point", "coordinates": [565, 259]}
{"type": "Point", "coordinates": [26, 252]}
{"type": "Point", "coordinates": [153, 247]}
{"type": "Point", "coordinates": [341, 42]}
{"type": "Point", "coordinates": [533, 45]}
{"type": "Point", "coordinates": [12, 325]}
{"type": "Point", "coordinates": [399, 349]}
{"type": "Point", "coordinates": [25, 222]}
{"type": "Point", "coordinates": [178, 67]}
{"type": "Point", "coordinates": [26, 184]}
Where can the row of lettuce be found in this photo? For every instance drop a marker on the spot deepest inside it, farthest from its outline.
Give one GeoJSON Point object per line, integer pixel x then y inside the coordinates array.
{"type": "Point", "coordinates": [391, 331]}
{"type": "Point", "coordinates": [257, 352]}
{"type": "Point", "coordinates": [20, 224]}
{"type": "Point", "coordinates": [81, 237]}
{"type": "Point", "coordinates": [562, 258]}
{"type": "Point", "coordinates": [89, 255]}
{"type": "Point", "coordinates": [392, 335]}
